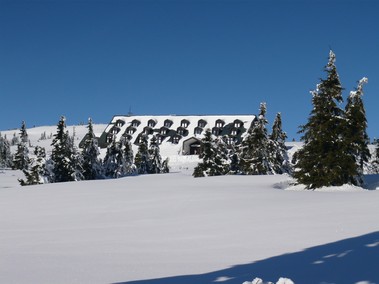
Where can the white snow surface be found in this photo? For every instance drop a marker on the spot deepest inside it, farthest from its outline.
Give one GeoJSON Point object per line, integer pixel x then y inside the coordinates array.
{"type": "Point", "coordinates": [175, 229]}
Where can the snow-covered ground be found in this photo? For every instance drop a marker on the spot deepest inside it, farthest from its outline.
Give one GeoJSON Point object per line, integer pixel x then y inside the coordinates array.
{"type": "Point", "coordinates": [175, 229]}
{"type": "Point", "coordinates": [227, 229]}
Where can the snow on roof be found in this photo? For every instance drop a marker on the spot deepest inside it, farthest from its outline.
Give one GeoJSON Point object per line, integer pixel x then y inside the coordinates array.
{"type": "Point", "coordinates": [189, 122]}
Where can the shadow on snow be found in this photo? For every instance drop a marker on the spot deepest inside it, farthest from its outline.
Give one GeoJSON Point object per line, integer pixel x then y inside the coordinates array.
{"type": "Point", "coordinates": [343, 262]}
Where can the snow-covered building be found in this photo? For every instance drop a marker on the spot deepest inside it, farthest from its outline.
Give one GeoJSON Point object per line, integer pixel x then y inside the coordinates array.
{"type": "Point", "coordinates": [182, 131]}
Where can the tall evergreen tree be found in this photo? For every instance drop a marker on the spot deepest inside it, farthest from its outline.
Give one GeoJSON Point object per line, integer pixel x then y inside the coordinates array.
{"type": "Point", "coordinates": [21, 158]}
{"type": "Point", "coordinates": [63, 156]}
{"type": "Point", "coordinates": [155, 156]}
{"type": "Point", "coordinates": [255, 158]}
{"type": "Point", "coordinates": [113, 160]}
{"type": "Point", "coordinates": [23, 133]}
{"type": "Point", "coordinates": [142, 159]}
{"type": "Point", "coordinates": [6, 158]}
{"type": "Point", "coordinates": [356, 134]}
{"type": "Point", "coordinates": [128, 167]}
{"type": "Point", "coordinates": [92, 168]}
{"type": "Point", "coordinates": [324, 159]}
{"type": "Point", "coordinates": [278, 148]}
{"type": "Point", "coordinates": [213, 157]}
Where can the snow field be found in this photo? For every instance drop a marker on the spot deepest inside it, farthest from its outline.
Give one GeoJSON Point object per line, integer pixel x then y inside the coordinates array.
{"type": "Point", "coordinates": [154, 226]}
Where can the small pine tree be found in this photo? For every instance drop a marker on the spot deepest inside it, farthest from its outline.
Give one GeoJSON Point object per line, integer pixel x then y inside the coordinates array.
{"type": "Point", "coordinates": [255, 158]}
{"type": "Point", "coordinates": [92, 168]}
{"type": "Point", "coordinates": [278, 148]}
{"type": "Point", "coordinates": [213, 157]}
{"type": "Point", "coordinates": [112, 161]}
{"type": "Point", "coordinates": [63, 156]}
{"type": "Point", "coordinates": [37, 171]}
{"type": "Point", "coordinates": [21, 158]}
{"type": "Point", "coordinates": [356, 136]}
{"type": "Point", "coordinates": [127, 166]}
{"type": "Point", "coordinates": [6, 158]}
{"type": "Point", "coordinates": [142, 159]}
{"type": "Point", "coordinates": [155, 156]}
{"type": "Point", "coordinates": [23, 133]}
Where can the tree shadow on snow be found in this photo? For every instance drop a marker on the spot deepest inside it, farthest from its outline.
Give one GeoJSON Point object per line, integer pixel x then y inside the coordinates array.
{"type": "Point", "coordinates": [344, 262]}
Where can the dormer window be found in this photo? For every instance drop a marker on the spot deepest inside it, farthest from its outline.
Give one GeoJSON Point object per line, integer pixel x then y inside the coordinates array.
{"type": "Point", "coordinates": [198, 130]}
{"type": "Point", "coordinates": [130, 130]}
{"type": "Point", "coordinates": [219, 123]}
{"type": "Point", "coordinates": [164, 131]}
{"type": "Point", "coordinates": [109, 138]}
{"type": "Point", "coordinates": [120, 123]}
{"type": "Point", "coordinates": [160, 139]}
{"type": "Point", "coordinates": [184, 123]}
{"type": "Point", "coordinates": [175, 139]}
{"type": "Point", "coordinates": [114, 130]}
{"type": "Point", "coordinates": [238, 123]}
{"type": "Point", "coordinates": [147, 130]}
{"type": "Point", "coordinates": [201, 123]}
{"type": "Point", "coordinates": [181, 131]}
{"type": "Point", "coordinates": [167, 123]}
{"type": "Point", "coordinates": [233, 132]}
{"type": "Point", "coordinates": [230, 140]}
{"type": "Point", "coordinates": [151, 123]}
{"type": "Point", "coordinates": [136, 123]}
{"type": "Point", "coordinates": [216, 131]}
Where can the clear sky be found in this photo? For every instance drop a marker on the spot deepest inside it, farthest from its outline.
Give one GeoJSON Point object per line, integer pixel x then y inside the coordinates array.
{"type": "Point", "coordinates": [100, 58]}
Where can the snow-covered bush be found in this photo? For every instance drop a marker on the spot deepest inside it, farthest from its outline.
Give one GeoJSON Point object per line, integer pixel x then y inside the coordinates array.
{"type": "Point", "coordinates": [281, 280]}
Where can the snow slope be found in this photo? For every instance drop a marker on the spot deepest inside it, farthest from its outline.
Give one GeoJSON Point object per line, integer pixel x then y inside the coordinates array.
{"type": "Point", "coordinates": [173, 228]}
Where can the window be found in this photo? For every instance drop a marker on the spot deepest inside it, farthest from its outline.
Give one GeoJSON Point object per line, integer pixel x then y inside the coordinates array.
{"type": "Point", "coordinates": [163, 131]}
{"type": "Point", "coordinates": [175, 139]}
{"type": "Point", "coordinates": [180, 131]}
{"type": "Point", "coordinates": [131, 131]}
{"type": "Point", "coordinates": [184, 123]}
{"type": "Point", "coordinates": [136, 123]}
{"type": "Point", "coordinates": [216, 131]}
{"type": "Point", "coordinates": [201, 123]}
{"type": "Point", "coordinates": [151, 123]}
{"type": "Point", "coordinates": [167, 123]}
{"type": "Point", "coordinates": [198, 130]}
{"type": "Point", "coordinates": [120, 123]}
{"type": "Point", "coordinates": [220, 123]}
{"type": "Point", "coordinates": [233, 132]}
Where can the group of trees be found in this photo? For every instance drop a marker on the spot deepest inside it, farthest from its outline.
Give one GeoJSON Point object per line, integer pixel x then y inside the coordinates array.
{"type": "Point", "coordinates": [335, 150]}
{"type": "Point", "coordinates": [67, 163]}
{"type": "Point", "coordinates": [335, 140]}
{"type": "Point", "coordinates": [259, 153]}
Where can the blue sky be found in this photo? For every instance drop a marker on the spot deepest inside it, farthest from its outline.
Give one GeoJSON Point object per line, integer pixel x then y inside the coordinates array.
{"type": "Point", "coordinates": [100, 58]}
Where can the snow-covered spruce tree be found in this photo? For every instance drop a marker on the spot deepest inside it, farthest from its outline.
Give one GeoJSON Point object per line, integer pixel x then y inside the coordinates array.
{"type": "Point", "coordinates": [6, 158]}
{"type": "Point", "coordinates": [324, 159]}
{"type": "Point", "coordinates": [155, 156]}
{"type": "Point", "coordinates": [278, 148]}
{"type": "Point", "coordinates": [63, 156]}
{"type": "Point", "coordinates": [37, 171]}
{"type": "Point", "coordinates": [356, 135]}
{"type": "Point", "coordinates": [23, 133]}
{"type": "Point", "coordinates": [142, 159]}
{"type": "Point", "coordinates": [234, 159]}
{"type": "Point", "coordinates": [255, 156]}
{"type": "Point", "coordinates": [92, 168]}
{"type": "Point", "coordinates": [113, 160]}
{"type": "Point", "coordinates": [21, 158]}
{"type": "Point", "coordinates": [128, 167]}
{"type": "Point", "coordinates": [76, 159]}
{"type": "Point", "coordinates": [213, 157]}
